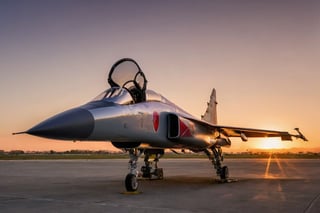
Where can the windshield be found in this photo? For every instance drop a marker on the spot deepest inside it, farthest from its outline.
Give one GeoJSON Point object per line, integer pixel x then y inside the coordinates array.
{"type": "Point", "coordinates": [115, 95]}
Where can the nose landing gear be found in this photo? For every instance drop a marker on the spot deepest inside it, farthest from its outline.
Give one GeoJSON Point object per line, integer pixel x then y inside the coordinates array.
{"type": "Point", "coordinates": [149, 170]}
{"type": "Point", "coordinates": [131, 181]}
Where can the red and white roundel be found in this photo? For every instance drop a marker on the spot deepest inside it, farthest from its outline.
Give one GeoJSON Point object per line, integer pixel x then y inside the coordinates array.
{"type": "Point", "coordinates": [156, 121]}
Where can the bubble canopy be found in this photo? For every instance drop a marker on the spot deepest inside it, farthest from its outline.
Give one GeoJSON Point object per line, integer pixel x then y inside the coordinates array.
{"type": "Point", "coordinates": [127, 74]}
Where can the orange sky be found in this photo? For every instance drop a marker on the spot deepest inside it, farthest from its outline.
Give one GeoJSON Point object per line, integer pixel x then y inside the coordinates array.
{"type": "Point", "coordinates": [262, 58]}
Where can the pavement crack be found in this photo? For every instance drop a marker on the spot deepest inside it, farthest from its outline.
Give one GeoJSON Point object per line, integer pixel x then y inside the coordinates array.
{"type": "Point", "coordinates": [312, 203]}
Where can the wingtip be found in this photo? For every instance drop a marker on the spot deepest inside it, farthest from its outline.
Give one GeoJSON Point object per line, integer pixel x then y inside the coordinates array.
{"type": "Point", "coordinates": [300, 135]}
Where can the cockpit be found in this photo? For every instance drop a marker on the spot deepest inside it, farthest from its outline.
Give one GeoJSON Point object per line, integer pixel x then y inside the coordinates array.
{"type": "Point", "coordinates": [127, 86]}
{"type": "Point", "coordinates": [127, 74]}
{"type": "Point", "coordinates": [115, 95]}
{"type": "Point", "coordinates": [127, 83]}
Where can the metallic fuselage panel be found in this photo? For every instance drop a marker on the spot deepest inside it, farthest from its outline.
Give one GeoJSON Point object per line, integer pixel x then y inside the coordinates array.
{"type": "Point", "coordinates": [134, 123]}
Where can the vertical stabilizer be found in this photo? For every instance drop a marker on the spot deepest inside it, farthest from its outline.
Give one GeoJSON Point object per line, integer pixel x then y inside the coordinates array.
{"type": "Point", "coordinates": [211, 113]}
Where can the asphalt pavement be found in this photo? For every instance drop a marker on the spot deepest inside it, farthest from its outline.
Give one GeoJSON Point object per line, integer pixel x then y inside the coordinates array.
{"type": "Point", "coordinates": [189, 185]}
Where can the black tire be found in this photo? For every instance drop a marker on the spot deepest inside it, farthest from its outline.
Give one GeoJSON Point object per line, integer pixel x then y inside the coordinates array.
{"type": "Point", "coordinates": [131, 183]}
{"type": "Point", "coordinates": [146, 172]}
{"type": "Point", "coordinates": [224, 173]}
{"type": "Point", "coordinates": [159, 173]}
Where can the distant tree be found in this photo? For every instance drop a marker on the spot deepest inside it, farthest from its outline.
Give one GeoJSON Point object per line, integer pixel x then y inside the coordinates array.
{"type": "Point", "coordinates": [16, 152]}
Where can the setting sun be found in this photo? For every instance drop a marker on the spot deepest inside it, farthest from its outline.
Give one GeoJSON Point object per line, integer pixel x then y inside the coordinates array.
{"type": "Point", "coordinates": [271, 143]}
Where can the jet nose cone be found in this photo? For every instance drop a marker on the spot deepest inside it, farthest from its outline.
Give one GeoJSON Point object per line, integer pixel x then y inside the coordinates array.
{"type": "Point", "coordinates": [74, 124]}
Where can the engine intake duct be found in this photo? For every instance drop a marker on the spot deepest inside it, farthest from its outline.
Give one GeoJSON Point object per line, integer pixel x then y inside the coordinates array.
{"type": "Point", "coordinates": [173, 126]}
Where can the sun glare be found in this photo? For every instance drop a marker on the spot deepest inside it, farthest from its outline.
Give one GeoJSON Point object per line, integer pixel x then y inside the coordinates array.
{"type": "Point", "coordinates": [270, 143]}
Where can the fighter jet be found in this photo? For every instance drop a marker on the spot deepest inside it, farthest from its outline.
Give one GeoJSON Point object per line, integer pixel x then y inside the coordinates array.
{"type": "Point", "coordinates": [143, 122]}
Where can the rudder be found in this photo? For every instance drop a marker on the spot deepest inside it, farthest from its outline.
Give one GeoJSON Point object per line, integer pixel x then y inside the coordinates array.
{"type": "Point", "coordinates": [211, 113]}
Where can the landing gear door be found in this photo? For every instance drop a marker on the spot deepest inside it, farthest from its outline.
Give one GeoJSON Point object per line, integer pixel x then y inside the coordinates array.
{"type": "Point", "coordinates": [126, 73]}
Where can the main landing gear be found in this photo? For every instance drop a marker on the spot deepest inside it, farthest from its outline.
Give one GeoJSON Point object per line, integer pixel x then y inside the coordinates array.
{"type": "Point", "coordinates": [216, 157]}
{"type": "Point", "coordinates": [149, 170]}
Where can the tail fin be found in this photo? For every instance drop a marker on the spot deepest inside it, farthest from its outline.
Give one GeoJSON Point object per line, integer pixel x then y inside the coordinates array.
{"type": "Point", "coordinates": [211, 113]}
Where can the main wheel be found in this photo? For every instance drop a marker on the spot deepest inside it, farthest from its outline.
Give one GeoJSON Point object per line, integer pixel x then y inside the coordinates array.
{"type": "Point", "coordinates": [146, 173]}
{"type": "Point", "coordinates": [131, 183]}
{"type": "Point", "coordinates": [159, 173]}
{"type": "Point", "coordinates": [224, 173]}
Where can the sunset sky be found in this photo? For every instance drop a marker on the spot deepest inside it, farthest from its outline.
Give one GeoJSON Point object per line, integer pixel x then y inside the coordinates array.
{"type": "Point", "coordinates": [263, 58]}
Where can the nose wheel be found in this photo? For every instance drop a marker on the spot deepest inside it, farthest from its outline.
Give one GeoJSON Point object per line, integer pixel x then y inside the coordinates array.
{"type": "Point", "coordinates": [131, 183]}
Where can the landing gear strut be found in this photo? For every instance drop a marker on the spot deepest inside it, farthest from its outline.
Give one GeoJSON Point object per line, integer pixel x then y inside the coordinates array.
{"type": "Point", "coordinates": [151, 167]}
{"type": "Point", "coordinates": [131, 181]}
{"type": "Point", "coordinates": [216, 157]}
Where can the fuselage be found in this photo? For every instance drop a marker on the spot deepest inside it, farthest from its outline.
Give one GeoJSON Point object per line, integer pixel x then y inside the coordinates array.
{"type": "Point", "coordinates": [117, 119]}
